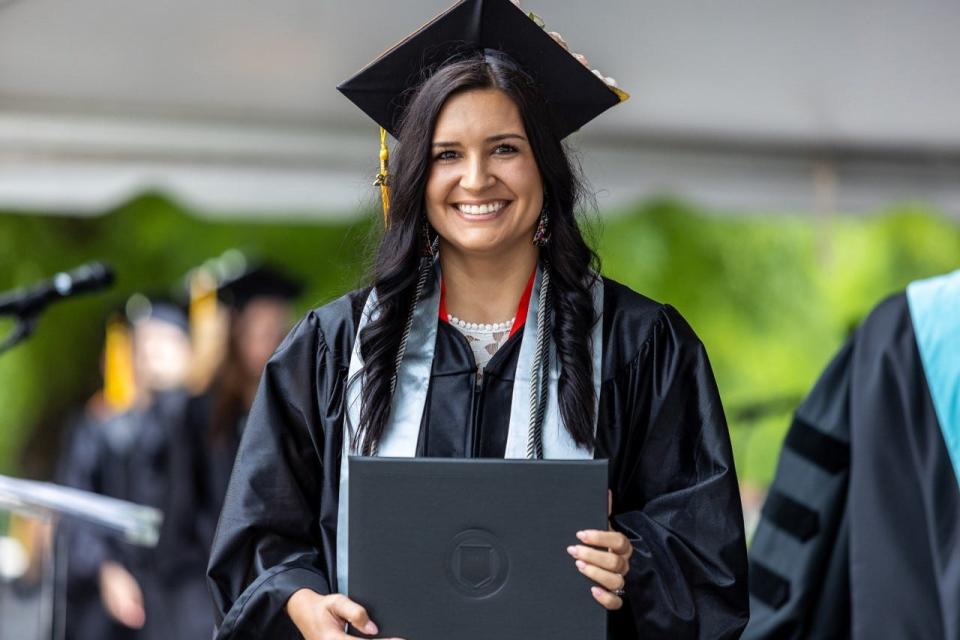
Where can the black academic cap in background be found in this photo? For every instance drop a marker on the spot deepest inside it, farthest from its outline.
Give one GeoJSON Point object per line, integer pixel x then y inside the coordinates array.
{"type": "Point", "coordinates": [155, 307]}
{"type": "Point", "coordinates": [574, 94]}
{"type": "Point", "coordinates": [263, 281]}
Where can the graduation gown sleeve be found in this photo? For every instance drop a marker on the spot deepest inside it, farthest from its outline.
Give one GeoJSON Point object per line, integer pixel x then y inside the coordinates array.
{"type": "Point", "coordinates": [675, 493]}
{"type": "Point", "coordinates": [269, 541]}
{"type": "Point", "coordinates": [800, 551]}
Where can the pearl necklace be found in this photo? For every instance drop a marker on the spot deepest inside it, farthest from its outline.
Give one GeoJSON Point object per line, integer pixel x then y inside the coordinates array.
{"type": "Point", "coordinates": [480, 326]}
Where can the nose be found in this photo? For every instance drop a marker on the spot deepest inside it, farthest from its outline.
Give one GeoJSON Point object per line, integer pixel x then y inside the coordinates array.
{"type": "Point", "coordinates": [476, 176]}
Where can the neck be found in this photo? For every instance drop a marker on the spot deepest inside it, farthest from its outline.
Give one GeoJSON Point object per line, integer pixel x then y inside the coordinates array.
{"type": "Point", "coordinates": [485, 289]}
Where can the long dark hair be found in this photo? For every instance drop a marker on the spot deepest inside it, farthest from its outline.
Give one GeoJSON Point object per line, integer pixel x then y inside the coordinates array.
{"type": "Point", "coordinates": [399, 255]}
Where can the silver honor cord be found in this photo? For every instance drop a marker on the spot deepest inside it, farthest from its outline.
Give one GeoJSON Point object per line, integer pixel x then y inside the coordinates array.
{"type": "Point", "coordinates": [540, 373]}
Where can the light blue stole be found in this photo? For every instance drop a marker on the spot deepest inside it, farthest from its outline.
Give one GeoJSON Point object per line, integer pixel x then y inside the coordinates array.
{"type": "Point", "coordinates": [935, 313]}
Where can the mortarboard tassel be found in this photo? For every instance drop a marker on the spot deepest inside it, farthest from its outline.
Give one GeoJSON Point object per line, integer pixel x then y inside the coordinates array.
{"type": "Point", "coordinates": [119, 388]}
{"type": "Point", "coordinates": [208, 330]}
{"type": "Point", "coordinates": [203, 299]}
{"type": "Point", "coordinates": [381, 180]}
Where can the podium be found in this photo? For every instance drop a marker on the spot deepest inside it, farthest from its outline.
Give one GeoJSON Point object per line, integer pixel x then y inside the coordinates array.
{"type": "Point", "coordinates": [33, 555]}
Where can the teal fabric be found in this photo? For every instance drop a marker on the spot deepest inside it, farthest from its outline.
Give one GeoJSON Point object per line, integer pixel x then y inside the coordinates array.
{"type": "Point", "coordinates": [935, 313]}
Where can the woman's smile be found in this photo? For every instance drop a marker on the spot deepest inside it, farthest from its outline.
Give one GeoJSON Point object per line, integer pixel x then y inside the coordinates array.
{"type": "Point", "coordinates": [482, 211]}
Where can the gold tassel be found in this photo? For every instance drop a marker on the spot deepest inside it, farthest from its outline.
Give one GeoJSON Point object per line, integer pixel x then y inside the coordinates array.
{"type": "Point", "coordinates": [119, 386]}
{"type": "Point", "coordinates": [208, 330]}
{"type": "Point", "coordinates": [381, 180]}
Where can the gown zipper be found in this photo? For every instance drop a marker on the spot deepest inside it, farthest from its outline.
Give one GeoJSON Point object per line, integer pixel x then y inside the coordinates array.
{"type": "Point", "coordinates": [475, 404]}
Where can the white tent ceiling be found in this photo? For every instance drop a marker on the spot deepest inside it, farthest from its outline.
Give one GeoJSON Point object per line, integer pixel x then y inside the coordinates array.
{"type": "Point", "coordinates": [231, 104]}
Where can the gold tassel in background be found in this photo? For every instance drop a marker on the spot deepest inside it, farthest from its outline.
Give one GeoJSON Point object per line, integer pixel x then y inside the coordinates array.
{"type": "Point", "coordinates": [209, 327]}
{"type": "Point", "coordinates": [381, 180]}
{"type": "Point", "coordinates": [119, 385]}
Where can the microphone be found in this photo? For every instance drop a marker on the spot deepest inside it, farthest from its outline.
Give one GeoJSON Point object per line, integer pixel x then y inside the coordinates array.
{"type": "Point", "coordinates": [25, 303]}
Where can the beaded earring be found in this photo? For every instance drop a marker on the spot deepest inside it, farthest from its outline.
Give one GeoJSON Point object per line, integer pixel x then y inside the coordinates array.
{"type": "Point", "coordinates": [542, 235]}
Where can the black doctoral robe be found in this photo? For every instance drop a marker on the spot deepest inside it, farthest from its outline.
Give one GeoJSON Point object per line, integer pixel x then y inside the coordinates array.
{"type": "Point", "coordinates": [661, 425]}
{"type": "Point", "coordinates": [860, 534]}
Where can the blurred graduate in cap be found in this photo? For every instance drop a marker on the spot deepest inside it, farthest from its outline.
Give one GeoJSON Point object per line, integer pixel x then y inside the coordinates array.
{"type": "Point", "coordinates": [860, 533]}
{"type": "Point", "coordinates": [140, 586]}
{"type": "Point", "coordinates": [486, 332]}
{"type": "Point", "coordinates": [260, 316]}
{"type": "Point", "coordinates": [81, 465]}
{"type": "Point", "coordinates": [126, 453]}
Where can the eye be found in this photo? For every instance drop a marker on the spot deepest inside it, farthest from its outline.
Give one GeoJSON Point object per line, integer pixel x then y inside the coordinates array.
{"type": "Point", "coordinates": [445, 155]}
{"type": "Point", "coordinates": [505, 149]}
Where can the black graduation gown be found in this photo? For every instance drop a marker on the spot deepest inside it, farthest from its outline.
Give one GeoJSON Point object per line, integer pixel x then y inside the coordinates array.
{"type": "Point", "coordinates": [860, 534]}
{"type": "Point", "coordinates": [208, 461]}
{"type": "Point", "coordinates": [139, 466]}
{"type": "Point", "coordinates": [81, 466]}
{"type": "Point", "coordinates": [661, 425]}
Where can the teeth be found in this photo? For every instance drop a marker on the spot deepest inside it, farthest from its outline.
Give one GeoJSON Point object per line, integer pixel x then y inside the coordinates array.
{"type": "Point", "coordinates": [480, 209]}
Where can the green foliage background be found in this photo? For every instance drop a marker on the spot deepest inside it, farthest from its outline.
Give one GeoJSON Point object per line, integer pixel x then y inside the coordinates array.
{"type": "Point", "coordinates": [771, 296]}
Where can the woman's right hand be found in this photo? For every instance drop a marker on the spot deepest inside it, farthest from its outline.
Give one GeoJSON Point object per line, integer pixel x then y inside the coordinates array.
{"type": "Point", "coordinates": [324, 617]}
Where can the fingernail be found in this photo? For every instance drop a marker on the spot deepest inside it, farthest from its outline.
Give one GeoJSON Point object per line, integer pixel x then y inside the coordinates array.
{"type": "Point", "coordinates": [370, 628]}
{"type": "Point", "coordinates": [597, 591]}
{"type": "Point", "coordinates": [572, 550]}
{"type": "Point", "coordinates": [582, 535]}
{"type": "Point", "coordinates": [581, 565]}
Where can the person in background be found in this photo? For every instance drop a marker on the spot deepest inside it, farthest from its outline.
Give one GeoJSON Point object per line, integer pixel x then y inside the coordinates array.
{"type": "Point", "coordinates": [213, 422]}
{"type": "Point", "coordinates": [143, 588]}
{"type": "Point", "coordinates": [260, 316]}
{"type": "Point", "coordinates": [860, 533]}
{"type": "Point", "coordinates": [80, 466]}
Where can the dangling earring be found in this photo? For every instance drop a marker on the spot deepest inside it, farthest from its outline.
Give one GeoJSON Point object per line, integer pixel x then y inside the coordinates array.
{"type": "Point", "coordinates": [542, 235]}
{"type": "Point", "coordinates": [428, 249]}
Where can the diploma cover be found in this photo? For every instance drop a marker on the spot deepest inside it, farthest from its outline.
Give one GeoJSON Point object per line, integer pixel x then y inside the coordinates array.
{"type": "Point", "coordinates": [474, 549]}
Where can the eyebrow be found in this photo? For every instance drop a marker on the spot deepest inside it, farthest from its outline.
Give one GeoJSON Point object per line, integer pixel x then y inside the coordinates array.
{"type": "Point", "coordinates": [496, 138]}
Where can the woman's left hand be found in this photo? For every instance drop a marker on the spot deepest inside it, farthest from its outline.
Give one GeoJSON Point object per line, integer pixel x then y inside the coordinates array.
{"type": "Point", "coordinates": [607, 566]}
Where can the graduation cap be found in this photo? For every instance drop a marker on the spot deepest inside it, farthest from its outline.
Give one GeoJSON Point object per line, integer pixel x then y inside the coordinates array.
{"type": "Point", "coordinates": [140, 307]}
{"type": "Point", "coordinates": [574, 94]}
{"type": "Point", "coordinates": [260, 282]}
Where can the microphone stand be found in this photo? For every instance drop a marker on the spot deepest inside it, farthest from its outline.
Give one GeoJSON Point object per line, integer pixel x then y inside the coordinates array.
{"type": "Point", "coordinates": [20, 332]}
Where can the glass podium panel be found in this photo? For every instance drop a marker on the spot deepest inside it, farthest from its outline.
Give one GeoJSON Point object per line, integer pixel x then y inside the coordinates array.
{"type": "Point", "coordinates": [33, 556]}
{"type": "Point", "coordinates": [27, 577]}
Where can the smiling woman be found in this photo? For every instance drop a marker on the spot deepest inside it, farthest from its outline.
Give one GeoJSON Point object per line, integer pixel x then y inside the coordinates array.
{"type": "Point", "coordinates": [483, 227]}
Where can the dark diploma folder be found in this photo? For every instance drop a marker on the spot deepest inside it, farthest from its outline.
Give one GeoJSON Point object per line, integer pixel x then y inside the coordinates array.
{"type": "Point", "coordinates": [474, 549]}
